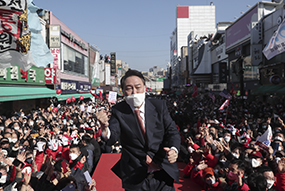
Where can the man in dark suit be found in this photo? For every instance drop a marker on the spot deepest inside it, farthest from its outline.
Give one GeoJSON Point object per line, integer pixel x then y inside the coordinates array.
{"type": "Point", "coordinates": [149, 137]}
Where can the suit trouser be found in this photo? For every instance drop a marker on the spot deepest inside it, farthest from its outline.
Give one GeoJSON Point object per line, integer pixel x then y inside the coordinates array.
{"type": "Point", "coordinates": [157, 181]}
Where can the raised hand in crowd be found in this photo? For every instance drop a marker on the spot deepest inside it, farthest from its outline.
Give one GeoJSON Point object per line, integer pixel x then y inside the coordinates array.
{"type": "Point", "coordinates": [281, 165]}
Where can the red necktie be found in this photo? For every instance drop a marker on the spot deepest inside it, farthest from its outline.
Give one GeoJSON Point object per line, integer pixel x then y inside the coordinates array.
{"type": "Point", "coordinates": [152, 166]}
{"type": "Point", "coordinates": [139, 118]}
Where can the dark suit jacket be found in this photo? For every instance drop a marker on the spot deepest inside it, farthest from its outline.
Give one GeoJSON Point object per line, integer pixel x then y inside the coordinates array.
{"type": "Point", "coordinates": [161, 131]}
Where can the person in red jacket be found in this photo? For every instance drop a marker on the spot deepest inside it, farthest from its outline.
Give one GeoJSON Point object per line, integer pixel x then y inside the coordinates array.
{"type": "Point", "coordinates": [205, 177]}
{"type": "Point", "coordinates": [281, 174]}
{"type": "Point", "coordinates": [77, 159]}
{"type": "Point", "coordinates": [235, 176]}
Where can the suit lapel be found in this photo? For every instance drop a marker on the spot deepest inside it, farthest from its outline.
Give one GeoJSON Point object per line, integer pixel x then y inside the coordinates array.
{"type": "Point", "coordinates": [150, 119]}
{"type": "Point", "coordinates": [131, 119]}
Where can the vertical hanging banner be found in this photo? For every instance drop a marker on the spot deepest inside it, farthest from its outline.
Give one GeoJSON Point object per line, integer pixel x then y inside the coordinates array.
{"type": "Point", "coordinates": [15, 37]}
{"type": "Point", "coordinates": [20, 35]}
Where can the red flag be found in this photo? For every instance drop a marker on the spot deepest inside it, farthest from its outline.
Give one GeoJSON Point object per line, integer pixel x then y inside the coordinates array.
{"type": "Point", "coordinates": [101, 97]}
{"type": "Point", "coordinates": [195, 93]}
{"type": "Point", "coordinates": [225, 104]}
{"type": "Point", "coordinates": [93, 93]}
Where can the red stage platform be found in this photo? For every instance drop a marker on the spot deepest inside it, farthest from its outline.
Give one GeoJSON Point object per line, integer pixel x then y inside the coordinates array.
{"type": "Point", "coordinates": [106, 180]}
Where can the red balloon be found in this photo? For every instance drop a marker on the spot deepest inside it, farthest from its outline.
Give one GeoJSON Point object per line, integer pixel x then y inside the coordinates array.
{"type": "Point", "coordinates": [68, 100]}
{"type": "Point", "coordinates": [81, 98]}
{"type": "Point", "coordinates": [73, 98]}
{"type": "Point", "coordinates": [55, 110]}
{"type": "Point", "coordinates": [58, 91]}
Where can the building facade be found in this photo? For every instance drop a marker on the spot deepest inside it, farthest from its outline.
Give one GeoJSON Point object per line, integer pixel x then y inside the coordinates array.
{"type": "Point", "coordinates": [199, 19]}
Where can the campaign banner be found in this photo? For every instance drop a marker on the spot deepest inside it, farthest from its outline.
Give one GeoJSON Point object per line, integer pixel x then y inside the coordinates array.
{"type": "Point", "coordinates": [276, 44]}
{"type": "Point", "coordinates": [264, 141]}
{"type": "Point", "coordinates": [112, 97]}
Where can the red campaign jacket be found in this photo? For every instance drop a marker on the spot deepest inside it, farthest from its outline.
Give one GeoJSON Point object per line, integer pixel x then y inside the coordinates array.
{"type": "Point", "coordinates": [211, 159]}
{"type": "Point", "coordinates": [244, 186]}
{"type": "Point", "coordinates": [78, 164]}
{"type": "Point", "coordinates": [39, 159]}
{"type": "Point", "coordinates": [98, 134]}
{"type": "Point", "coordinates": [52, 153]}
{"type": "Point", "coordinates": [188, 168]}
{"type": "Point", "coordinates": [280, 181]}
{"type": "Point", "coordinates": [196, 176]}
{"type": "Point", "coordinates": [65, 153]}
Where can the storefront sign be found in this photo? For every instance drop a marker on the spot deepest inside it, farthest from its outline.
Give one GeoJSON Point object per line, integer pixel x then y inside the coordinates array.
{"type": "Point", "coordinates": [52, 76]}
{"type": "Point", "coordinates": [68, 86]}
{"type": "Point", "coordinates": [240, 30]}
{"type": "Point", "coordinates": [56, 55]}
{"type": "Point", "coordinates": [54, 36]}
{"type": "Point", "coordinates": [15, 75]}
{"type": "Point", "coordinates": [84, 87]}
{"type": "Point", "coordinates": [72, 39]}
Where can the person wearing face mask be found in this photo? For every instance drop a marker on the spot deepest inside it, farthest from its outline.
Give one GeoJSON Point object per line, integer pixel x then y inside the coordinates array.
{"type": "Point", "coordinates": [281, 174]}
{"type": "Point", "coordinates": [278, 136]}
{"type": "Point", "coordinates": [257, 181]}
{"type": "Point", "coordinates": [205, 177]}
{"type": "Point", "coordinates": [77, 159]}
{"type": "Point", "coordinates": [270, 177]}
{"type": "Point", "coordinates": [235, 176]}
{"type": "Point", "coordinates": [149, 137]}
{"type": "Point", "coordinates": [40, 148]}
{"type": "Point", "coordinates": [255, 159]}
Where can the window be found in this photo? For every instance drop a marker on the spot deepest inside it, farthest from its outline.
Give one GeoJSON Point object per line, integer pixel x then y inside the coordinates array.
{"type": "Point", "coordinates": [74, 62]}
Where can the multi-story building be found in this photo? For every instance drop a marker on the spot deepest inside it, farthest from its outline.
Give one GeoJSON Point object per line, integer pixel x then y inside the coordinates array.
{"type": "Point", "coordinates": [199, 19]}
{"type": "Point", "coordinates": [219, 59]}
{"type": "Point", "coordinates": [244, 47]}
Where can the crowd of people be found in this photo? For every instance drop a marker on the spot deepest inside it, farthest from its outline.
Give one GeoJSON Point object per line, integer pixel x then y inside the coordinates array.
{"type": "Point", "coordinates": [239, 147]}
{"type": "Point", "coordinates": [58, 147]}
{"type": "Point", "coordinates": [52, 148]}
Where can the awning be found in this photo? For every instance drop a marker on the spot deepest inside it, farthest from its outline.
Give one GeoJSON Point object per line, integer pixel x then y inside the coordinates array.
{"type": "Point", "coordinates": [12, 93]}
{"type": "Point", "coordinates": [269, 89]}
{"type": "Point", "coordinates": [77, 95]}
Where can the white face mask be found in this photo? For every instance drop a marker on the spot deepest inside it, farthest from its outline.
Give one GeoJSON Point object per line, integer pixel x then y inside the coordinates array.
{"type": "Point", "coordinates": [190, 149]}
{"type": "Point", "coordinates": [40, 146]}
{"type": "Point", "coordinates": [227, 139]}
{"type": "Point", "coordinates": [3, 179]}
{"type": "Point", "coordinates": [270, 183]}
{"type": "Point", "coordinates": [277, 159]}
{"type": "Point", "coordinates": [14, 140]}
{"type": "Point", "coordinates": [31, 123]}
{"type": "Point", "coordinates": [73, 156]}
{"type": "Point", "coordinates": [211, 181]}
{"type": "Point", "coordinates": [17, 128]}
{"type": "Point", "coordinates": [135, 100]}
{"type": "Point", "coordinates": [10, 140]}
{"type": "Point", "coordinates": [254, 162]}
{"type": "Point", "coordinates": [235, 155]}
